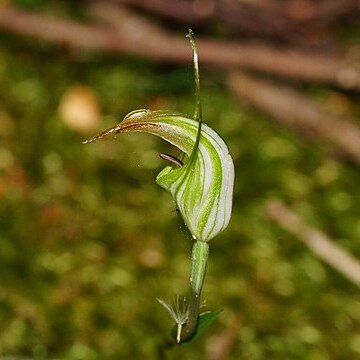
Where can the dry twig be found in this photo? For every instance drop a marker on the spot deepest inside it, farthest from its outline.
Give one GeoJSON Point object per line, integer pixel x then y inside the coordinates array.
{"type": "Point", "coordinates": [162, 46]}
{"type": "Point", "coordinates": [293, 109]}
{"type": "Point", "coordinates": [317, 241]}
{"type": "Point", "coordinates": [329, 11]}
{"type": "Point", "coordinates": [240, 16]}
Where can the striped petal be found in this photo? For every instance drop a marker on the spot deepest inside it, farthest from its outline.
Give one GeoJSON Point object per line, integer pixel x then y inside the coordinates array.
{"type": "Point", "coordinates": [202, 188]}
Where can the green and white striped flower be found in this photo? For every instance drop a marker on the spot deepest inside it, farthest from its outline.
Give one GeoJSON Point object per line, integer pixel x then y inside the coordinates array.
{"type": "Point", "coordinates": [202, 188]}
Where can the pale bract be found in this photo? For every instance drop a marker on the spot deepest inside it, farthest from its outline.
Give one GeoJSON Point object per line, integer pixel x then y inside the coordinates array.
{"type": "Point", "coordinates": [203, 187]}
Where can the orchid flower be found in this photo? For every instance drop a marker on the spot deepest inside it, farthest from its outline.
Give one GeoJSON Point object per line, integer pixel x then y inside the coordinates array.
{"type": "Point", "coordinates": [200, 181]}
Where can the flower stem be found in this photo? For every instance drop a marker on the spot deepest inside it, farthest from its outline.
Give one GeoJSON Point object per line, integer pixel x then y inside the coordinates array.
{"type": "Point", "coordinates": [199, 257]}
{"type": "Point", "coordinates": [198, 108]}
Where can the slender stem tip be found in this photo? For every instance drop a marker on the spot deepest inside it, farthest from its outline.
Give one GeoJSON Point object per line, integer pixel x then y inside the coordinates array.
{"type": "Point", "coordinates": [190, 34]}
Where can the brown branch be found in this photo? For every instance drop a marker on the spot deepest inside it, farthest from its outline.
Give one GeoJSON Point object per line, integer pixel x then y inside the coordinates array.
{"type": "Point", "coordinates": [163, 46]}
{"type": "Point", "coordinates": [280, 21]}
{"type": "Point", "coordinates": [307, 11]}
{"type": "Point", "coordinates": [178, 10]}
{"type": "Point", "coordinates": [292, 109]}
{"type": "Point", "coordinates": [287, 63]}
{"type": "Point", "coordinates": [329, 11]}
{"type": "Point", "coordinates": [242, 17]}
{"type": "Point", "coordinates": [58, 30]}
{"type": "Point", "coordinates": [317, 241]}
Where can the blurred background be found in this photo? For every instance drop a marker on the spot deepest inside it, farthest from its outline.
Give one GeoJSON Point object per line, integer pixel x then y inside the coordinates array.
{"type": "Point", "coordinates": [88, 241]}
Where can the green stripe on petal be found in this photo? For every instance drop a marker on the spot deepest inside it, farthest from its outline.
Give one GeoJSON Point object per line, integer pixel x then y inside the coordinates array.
{"type": "Point", "coordinates": [202, 188]}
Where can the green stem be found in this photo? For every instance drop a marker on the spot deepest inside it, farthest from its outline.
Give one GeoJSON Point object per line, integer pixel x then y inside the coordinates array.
{"type": "Point", "coordinates": [199, 257]}
{"type": "Point", "coordinates": [198, 108]}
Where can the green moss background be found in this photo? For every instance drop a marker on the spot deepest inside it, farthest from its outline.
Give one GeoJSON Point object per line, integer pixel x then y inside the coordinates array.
{"type": "Point", "coordinates": [88, 241]}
